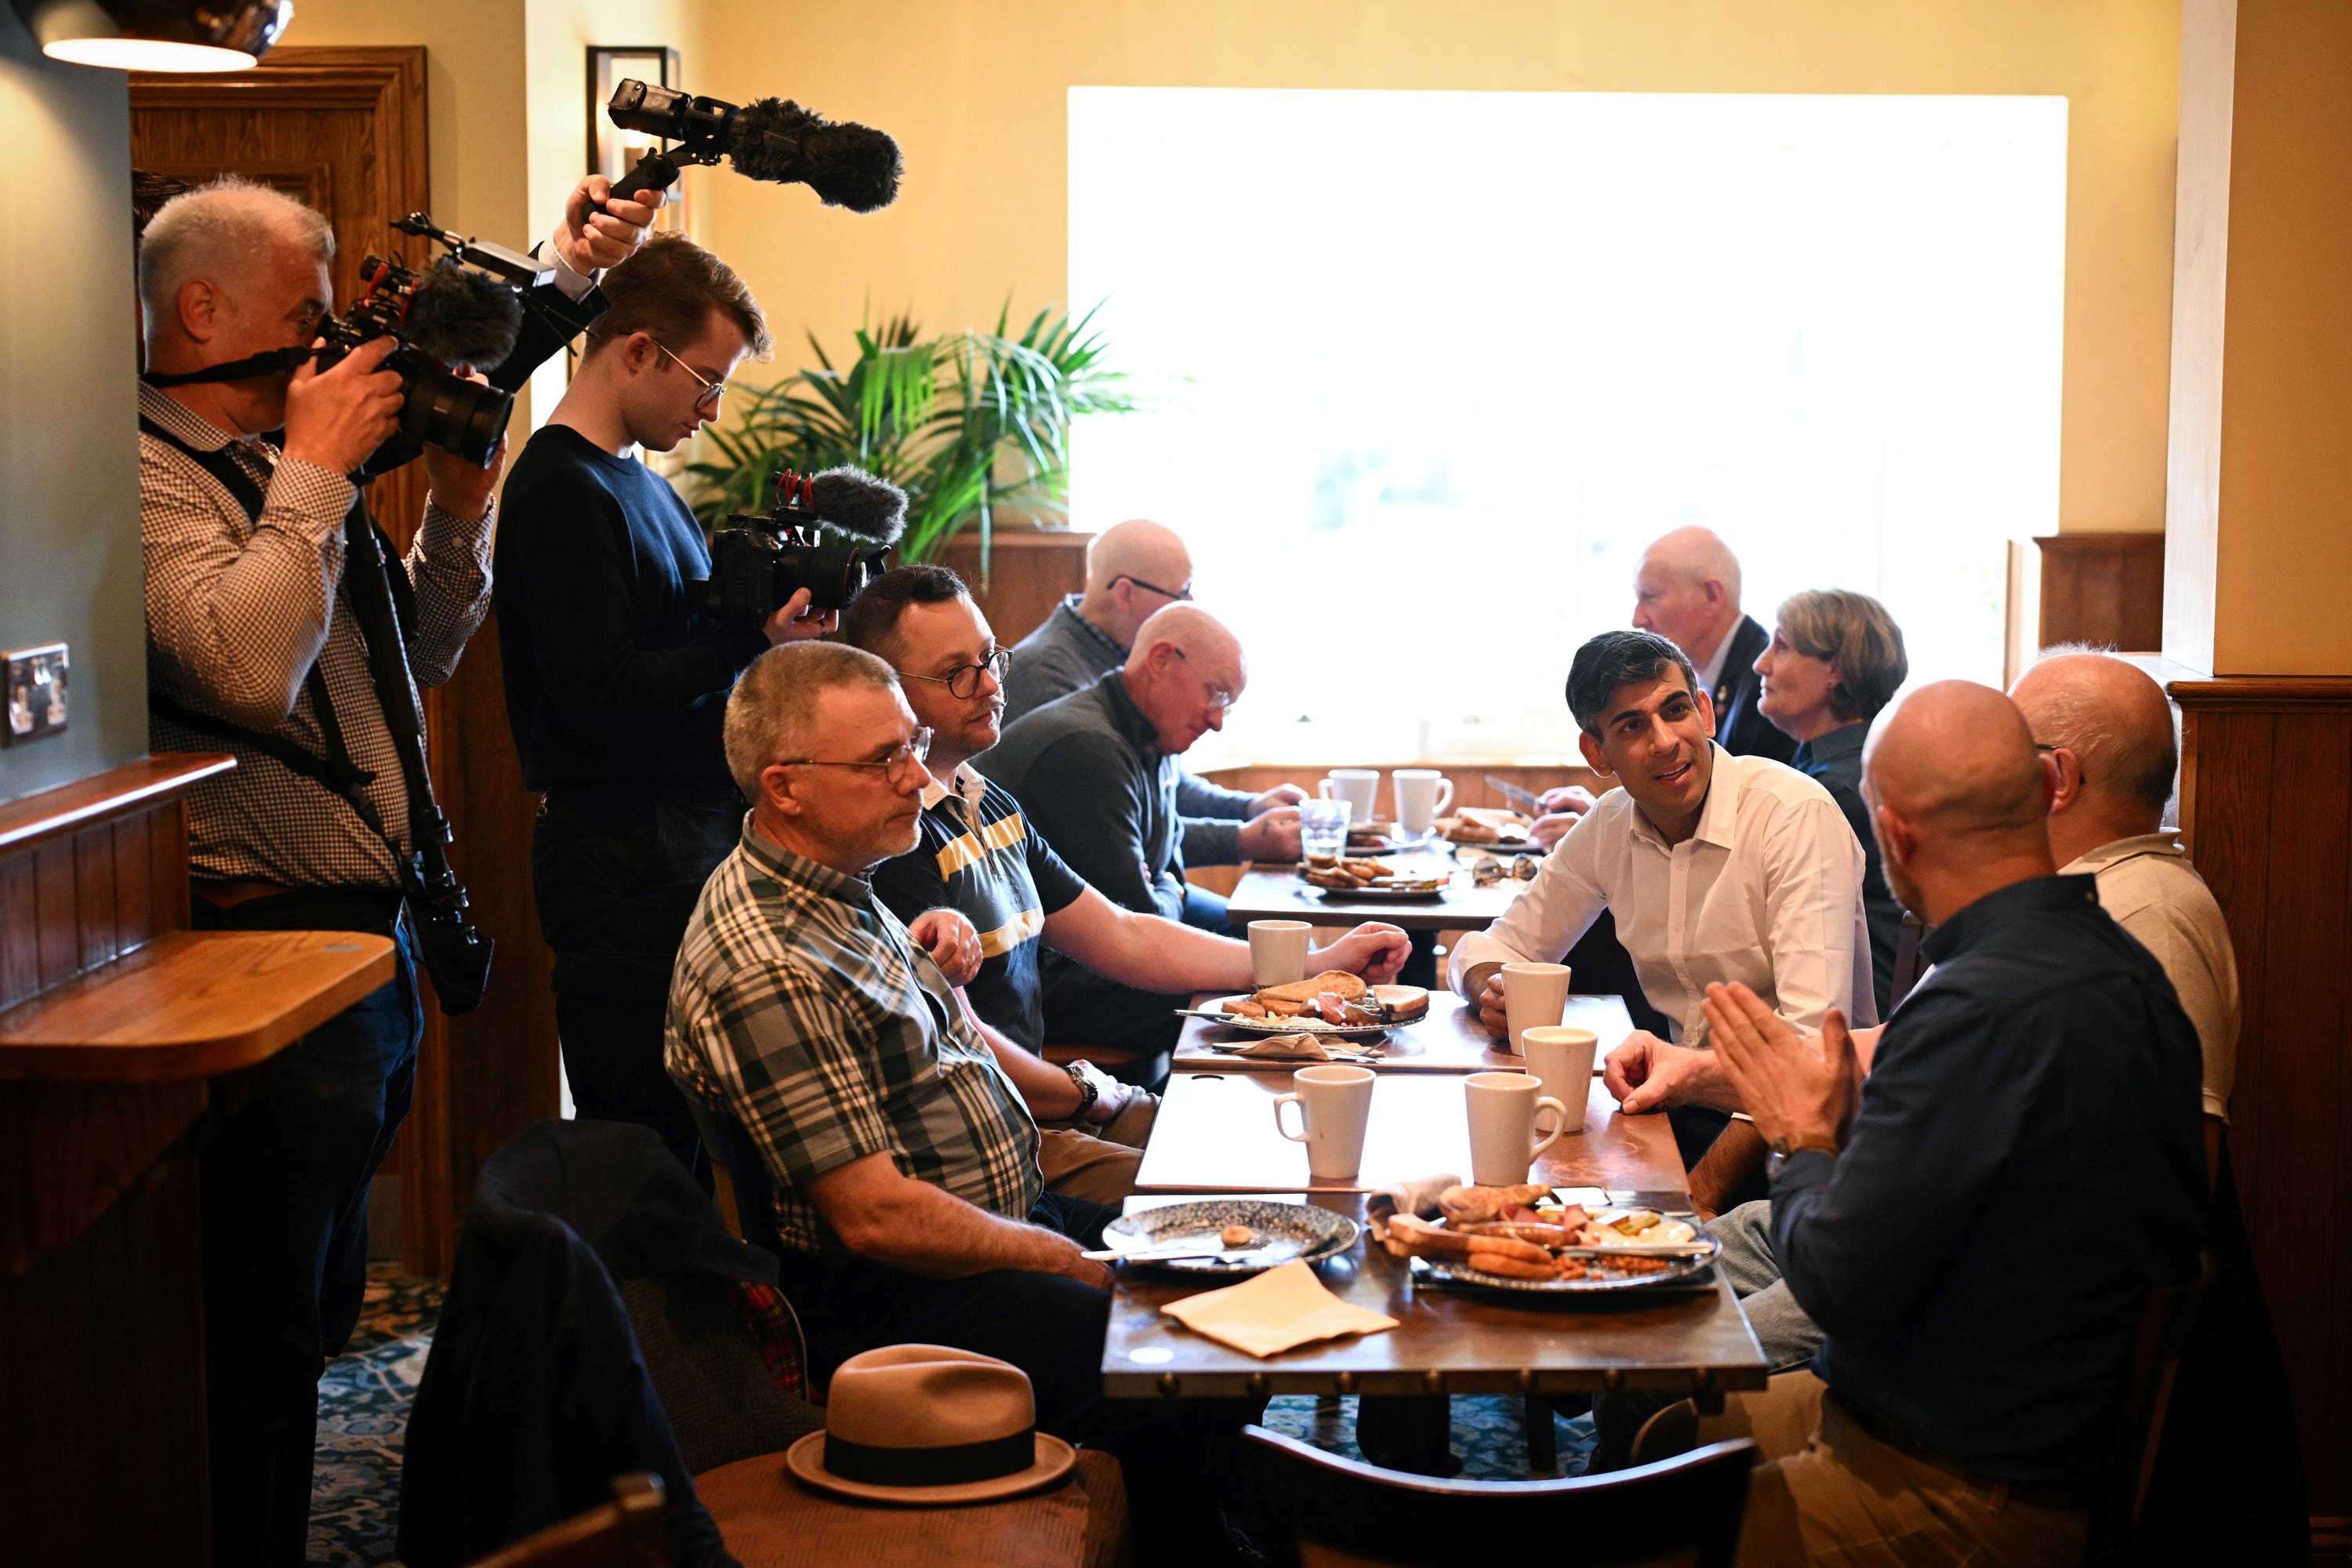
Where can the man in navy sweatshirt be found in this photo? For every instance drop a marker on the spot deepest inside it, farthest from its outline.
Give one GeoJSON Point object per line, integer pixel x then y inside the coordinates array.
{"type": "Point", "coordinates": [616, 676]}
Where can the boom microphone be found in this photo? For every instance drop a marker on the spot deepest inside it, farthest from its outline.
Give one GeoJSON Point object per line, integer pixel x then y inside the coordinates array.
{"type": "Point", "coordinates": [771, 138]}
{"type": "Point", "coordinates": [459, 316]}
{"type": "Point", "coordinates": [856, 502]}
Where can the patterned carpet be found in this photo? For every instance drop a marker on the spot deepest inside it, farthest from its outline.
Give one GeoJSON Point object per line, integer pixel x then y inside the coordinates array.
{"type": "Point", "coordinates": [364, 1413]}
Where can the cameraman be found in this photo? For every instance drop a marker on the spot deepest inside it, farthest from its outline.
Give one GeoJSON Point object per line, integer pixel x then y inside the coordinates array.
{"type": "Point", "coordinates": [617, 677]}
{"type": "Point", "coordinates": [249, 629]}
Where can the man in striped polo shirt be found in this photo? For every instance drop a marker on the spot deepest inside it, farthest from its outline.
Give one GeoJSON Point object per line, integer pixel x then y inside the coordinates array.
{"type": "Point", "coordinates": [979, 856]}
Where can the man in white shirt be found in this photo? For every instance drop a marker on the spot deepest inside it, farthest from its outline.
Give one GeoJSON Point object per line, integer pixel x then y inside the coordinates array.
{"type": "Point", "coordinates": [1688, 590]}
{"type": "Point", "coordinates": [1716, 868]}
{"type": "Point", "coordinates": [2107, 729]}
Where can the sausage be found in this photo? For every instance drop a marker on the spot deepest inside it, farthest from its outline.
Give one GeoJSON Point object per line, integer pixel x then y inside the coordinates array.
{"type": "Point", "coordinates": [1513, 1267]}
{"type": "Point", "coordinates": [1508, 1247]}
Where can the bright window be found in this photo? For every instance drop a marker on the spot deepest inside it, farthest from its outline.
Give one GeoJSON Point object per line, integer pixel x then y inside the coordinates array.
{"type": "Point", "coordinates": [1431, 368]}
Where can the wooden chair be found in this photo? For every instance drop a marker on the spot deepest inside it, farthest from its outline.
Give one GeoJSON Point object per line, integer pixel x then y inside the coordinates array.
{"type": "Point", "coordinates": [2164, 1327]}
{"type": "Point", "coordinates": [1332, 1512]}
{"type": "Point", "coordinates": [627, 1532]}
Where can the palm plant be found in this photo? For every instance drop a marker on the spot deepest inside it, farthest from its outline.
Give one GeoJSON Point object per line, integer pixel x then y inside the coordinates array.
{"type": "Point", "coordinates": [963, 422]}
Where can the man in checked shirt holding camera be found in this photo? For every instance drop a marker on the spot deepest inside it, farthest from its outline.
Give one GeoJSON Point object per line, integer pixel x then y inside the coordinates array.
{"type": "Point", "coordinates": [248, 624]}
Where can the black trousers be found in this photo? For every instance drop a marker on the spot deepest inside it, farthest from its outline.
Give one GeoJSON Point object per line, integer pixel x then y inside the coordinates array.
{"type": "Point", "coordinates": [284, 1184]}
{"type": "Point", "coordinates": [616, 881]}
{"type": "Point", "coordinates": [1051, 1328]}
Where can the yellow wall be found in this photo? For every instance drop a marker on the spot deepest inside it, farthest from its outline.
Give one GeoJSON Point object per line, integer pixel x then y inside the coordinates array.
{"type": "Point", "coordinates": [2282, 522]}
{"type": "Point", "coordinates": [474, 98]}
{"type": "Point", "coordinates": [975, 92]}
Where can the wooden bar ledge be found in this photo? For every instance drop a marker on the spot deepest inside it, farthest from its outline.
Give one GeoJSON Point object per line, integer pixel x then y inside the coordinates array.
{"type": "Point", "coordinates": [190, 1004]}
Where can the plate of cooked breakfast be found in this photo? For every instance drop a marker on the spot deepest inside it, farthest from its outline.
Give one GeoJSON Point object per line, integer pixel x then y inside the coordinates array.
{"type": "Point", "coordinates": [1377, 837]}
{"type": "Point", "coordinates": [1349, 879]}
{"type": "Point", "coordinates": [1489, 827]}
{"type": "Point", "coordinates": [1526, 1239]}
{"type": "Point", "coordinates": [1228, 1236]}
{"type": "Point", "coordinates": [1332, 1003]}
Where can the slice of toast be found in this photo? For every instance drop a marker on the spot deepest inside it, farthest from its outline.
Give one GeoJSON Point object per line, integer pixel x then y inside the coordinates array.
{"type": "Point", "coordinates": [1338, 982]}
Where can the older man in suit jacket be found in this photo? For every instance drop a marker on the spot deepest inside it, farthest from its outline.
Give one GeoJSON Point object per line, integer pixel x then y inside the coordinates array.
{"type": "Point", "coordinates": [1688, 590]}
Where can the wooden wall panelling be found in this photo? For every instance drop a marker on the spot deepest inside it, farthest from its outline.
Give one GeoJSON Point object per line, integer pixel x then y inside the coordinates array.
{"type": "Point", "coordinates": [2267, 812]}
{"type": "Point", "coordinates": [100, 1313]}
{"type": "Point", "coordinates": [2106, 589]}
{"type": "Point", "coordinates": [118, 1324]}
{"type": "Point", "coordinates": [1030, 570]}
{"type": "Point", "coordinates": [72, 902]}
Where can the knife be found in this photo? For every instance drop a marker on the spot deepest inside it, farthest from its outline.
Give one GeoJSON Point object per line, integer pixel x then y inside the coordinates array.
{"type": "Point", "coordinates": [1522, 798]}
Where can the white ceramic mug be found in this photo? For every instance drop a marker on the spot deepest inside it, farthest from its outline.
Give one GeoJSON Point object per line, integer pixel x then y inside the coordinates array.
{"type": "Point", "coordinates": [1535, 996]}
{"type": "Point", "coordinates": [1334, 1104]}
{"type": "Point", "coordinates": [1277, 952]}
{"type": "Point", "coordinates": [1422, 795]}
{"type": "Point", "coordinates": [1561, 1059]}
{"type": "Point", "coordinates": [1504, 1107]}
{"type": "Point", "coordinates": [1359, 787]}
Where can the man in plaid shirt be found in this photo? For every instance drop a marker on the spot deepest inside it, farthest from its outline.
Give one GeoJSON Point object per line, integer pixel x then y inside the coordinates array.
{"type": "Point", "coordinates": [908, 1202]}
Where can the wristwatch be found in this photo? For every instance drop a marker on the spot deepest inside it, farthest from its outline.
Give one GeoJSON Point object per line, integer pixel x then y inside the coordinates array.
{"type": "Point", "coordinates": [1083, 1075]}
{"type": "Point", "coordinates": [1783, 1147]}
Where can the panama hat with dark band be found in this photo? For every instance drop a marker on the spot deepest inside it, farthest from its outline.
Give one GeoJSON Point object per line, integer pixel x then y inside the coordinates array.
{"type": "Point", "coordinates": [927, 1425]}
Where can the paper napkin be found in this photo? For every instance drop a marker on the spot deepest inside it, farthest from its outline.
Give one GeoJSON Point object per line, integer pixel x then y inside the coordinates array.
{"type": "Point", "coordinates": [1281, 1308]}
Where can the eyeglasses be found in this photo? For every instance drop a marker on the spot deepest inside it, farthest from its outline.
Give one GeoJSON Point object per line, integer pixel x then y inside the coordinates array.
{"type": "Point", "coordinates": [963, 682]}
{"type": "Point", "coordinates": [1184, 593]}
{"type": "Point", "coordinates": [907, 755]}
{"type": "Point", "coordinates": [2082, 777]}
{"type": "Point", "coordinates": [712, 390]}
{"type": "Point", "coordinates": [1220, 698]}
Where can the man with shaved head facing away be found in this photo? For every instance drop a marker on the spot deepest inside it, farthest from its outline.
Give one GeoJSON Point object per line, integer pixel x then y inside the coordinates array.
{"type": "Point", "coordinates": [2105, 725]}
{"type": "Point", "coordinates": [1978, 1226]}
{"type": "Point", "coordinates": [1096, 771]}
{"type": "Point", "coordinates": [1134, 570]}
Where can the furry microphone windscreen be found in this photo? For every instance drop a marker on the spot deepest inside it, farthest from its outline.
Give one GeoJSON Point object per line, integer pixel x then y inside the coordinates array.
{"type": "Point", "coordinates": [848, 165]}
{"type": "Point", "coordinates": [856, 502]}
{"type": "Point", "coordinates": [459, 316]}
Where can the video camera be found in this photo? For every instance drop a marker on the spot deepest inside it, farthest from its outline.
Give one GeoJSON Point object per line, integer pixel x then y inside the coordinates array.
{"type": "Point", "coordinates": [466, 309]}
{"type": "Point", "coordinates": [760, 561]}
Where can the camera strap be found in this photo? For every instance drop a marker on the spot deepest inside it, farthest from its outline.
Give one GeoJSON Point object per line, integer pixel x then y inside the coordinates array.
{"type": "Point", "coordinates": [455, 954]}
{"type": "Point", "coordinates": [271, 362]}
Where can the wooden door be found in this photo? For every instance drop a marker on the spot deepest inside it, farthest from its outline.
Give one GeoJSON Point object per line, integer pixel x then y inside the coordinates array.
{"type": "Point", "coordinates": [344, 130]}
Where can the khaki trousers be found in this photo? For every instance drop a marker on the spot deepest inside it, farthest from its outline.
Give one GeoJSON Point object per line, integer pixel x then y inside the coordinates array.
{"type": "Point", "coordinates": [1097, 1162]}
{"type": "Point", "coordinates": [1828, 1492]}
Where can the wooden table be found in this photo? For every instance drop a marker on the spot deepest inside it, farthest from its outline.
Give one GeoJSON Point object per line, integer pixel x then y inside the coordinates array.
{"type": "Point", "coordinates": [1448, 1040]}
{"type": "Point", "coordinates": [1277, 892]}
{"type": "Point", "coordinates": [1446, 1342]}
{"type": "Point", "coordinates": [1215, 1133]}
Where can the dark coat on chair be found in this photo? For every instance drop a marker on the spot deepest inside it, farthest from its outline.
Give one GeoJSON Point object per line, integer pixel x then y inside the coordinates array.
{"type": "Point", "coordinates": [535, 1393]}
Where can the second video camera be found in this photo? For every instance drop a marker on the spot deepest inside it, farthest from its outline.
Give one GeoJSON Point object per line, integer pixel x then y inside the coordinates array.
{"type": "Point", "coordinates": [759, 561]}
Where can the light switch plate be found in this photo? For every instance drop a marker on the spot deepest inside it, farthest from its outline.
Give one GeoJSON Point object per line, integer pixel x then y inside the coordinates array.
{"type": "Point", "coordinates": [37, 693]}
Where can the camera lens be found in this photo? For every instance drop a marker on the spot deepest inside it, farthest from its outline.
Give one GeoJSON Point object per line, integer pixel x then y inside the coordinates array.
{"type": "Point", "coordinates": [455, 414]}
